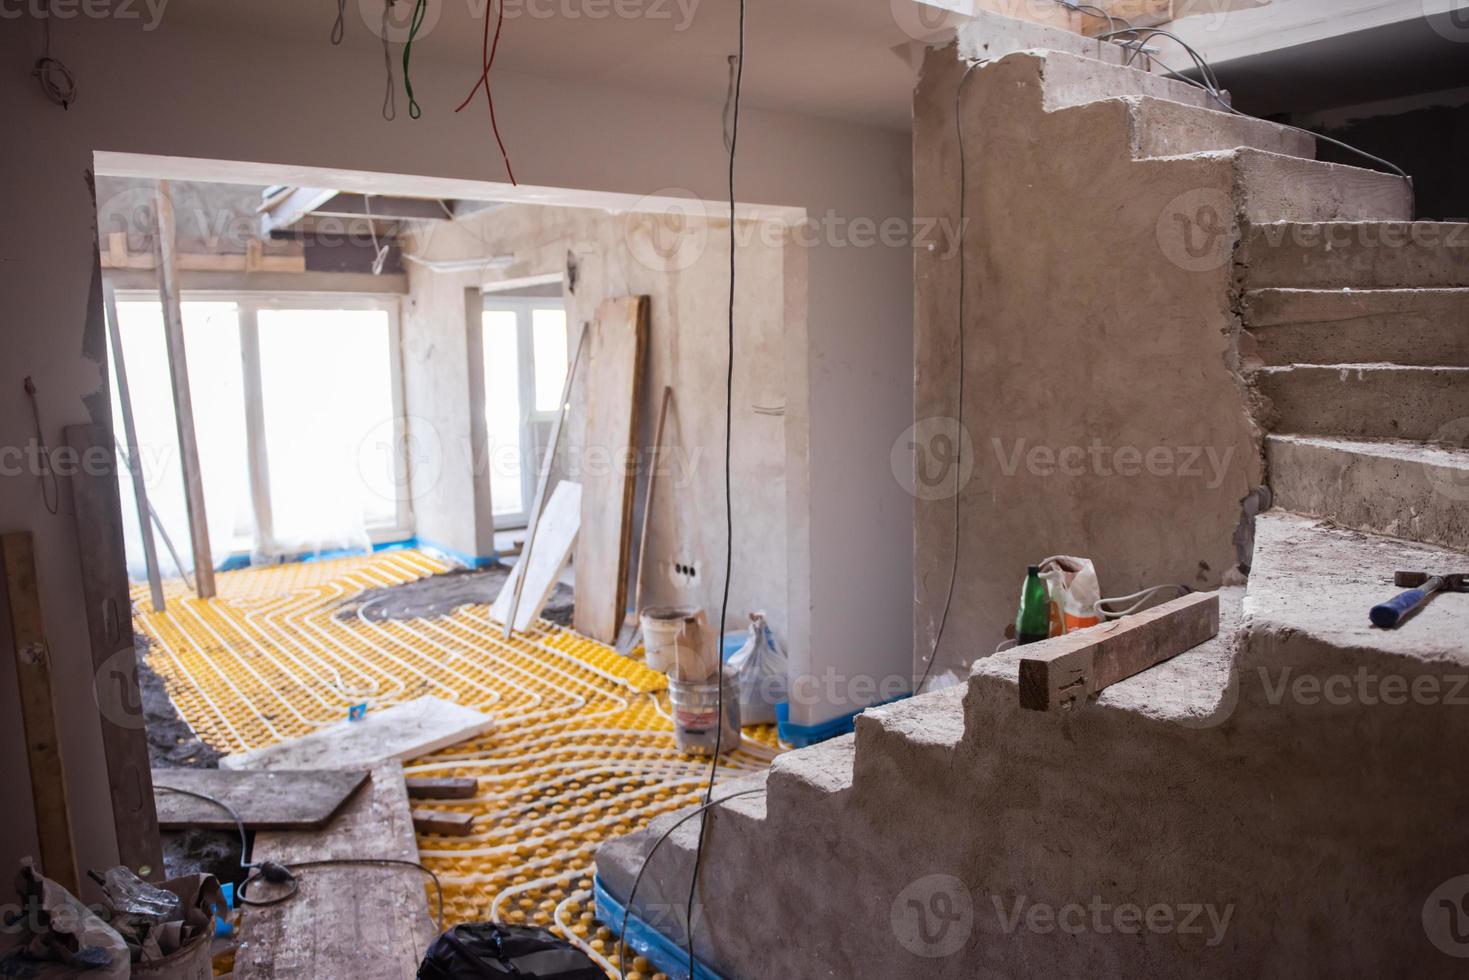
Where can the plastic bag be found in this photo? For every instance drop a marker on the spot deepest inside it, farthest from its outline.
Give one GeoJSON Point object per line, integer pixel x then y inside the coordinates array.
{"type": "Point", "coordinates": [760, 668]}
{"type": "Point", "coordinates": [479, 950]}
{"type": "Point", "coordinates": [1074, 591]}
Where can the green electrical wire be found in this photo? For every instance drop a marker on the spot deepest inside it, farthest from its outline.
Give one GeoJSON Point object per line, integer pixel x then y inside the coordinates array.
{"type": "Point", "coordinates": [420, 10]}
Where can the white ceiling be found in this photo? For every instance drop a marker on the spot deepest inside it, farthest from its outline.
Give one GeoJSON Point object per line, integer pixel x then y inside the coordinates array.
{"type": "Point", "coordinates": [842, 59]}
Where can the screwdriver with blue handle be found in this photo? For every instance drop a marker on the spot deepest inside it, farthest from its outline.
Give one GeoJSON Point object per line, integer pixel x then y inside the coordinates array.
{"type": "Point", "coordinates": [1421, 587]}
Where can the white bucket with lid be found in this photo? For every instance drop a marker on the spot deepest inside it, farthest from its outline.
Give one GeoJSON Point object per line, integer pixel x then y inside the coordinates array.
{"type": "Point", "coordinates": [677, 642]}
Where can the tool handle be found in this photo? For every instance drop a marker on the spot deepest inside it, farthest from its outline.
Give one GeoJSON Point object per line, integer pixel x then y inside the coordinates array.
{"type": "Point", "coordinates": [1391, 613]}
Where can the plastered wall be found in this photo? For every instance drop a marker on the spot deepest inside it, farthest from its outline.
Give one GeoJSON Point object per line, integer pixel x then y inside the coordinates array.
{"type": "Point", "coordinates": [688, 291]}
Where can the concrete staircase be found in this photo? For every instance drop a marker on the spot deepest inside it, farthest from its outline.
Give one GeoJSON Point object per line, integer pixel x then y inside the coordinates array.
{"type": "Point", "coordinates": [1281, 801]}
{"type": "Point", "coordinates": [1359, 338]}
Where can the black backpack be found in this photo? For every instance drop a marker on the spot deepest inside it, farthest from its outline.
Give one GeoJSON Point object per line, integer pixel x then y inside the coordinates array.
{"type": "Point", "coordinates": [480, 950]}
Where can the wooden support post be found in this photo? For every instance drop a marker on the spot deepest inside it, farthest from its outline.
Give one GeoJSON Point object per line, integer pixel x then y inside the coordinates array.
{"type": "Point", "coordinates": [97, 504]}
{"type": "Point", "coordinates": [1066, 670]}
{"type": "Point", "coordinates": [544, 478]}
{"type": "Point", "coordinates": [20, 618]}
{"type": "Point", "coordinates": [130, 436]}
{"type": "Point", "coordinates": [183, 402]}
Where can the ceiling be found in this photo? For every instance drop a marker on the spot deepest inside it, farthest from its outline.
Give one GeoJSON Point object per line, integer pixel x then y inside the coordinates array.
{"type": "Point", "coordinates": [832, 58]}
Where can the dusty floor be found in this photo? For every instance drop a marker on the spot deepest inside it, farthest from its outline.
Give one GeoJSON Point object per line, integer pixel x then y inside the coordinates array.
{"type": "Point", "coordinates": [582, 749]}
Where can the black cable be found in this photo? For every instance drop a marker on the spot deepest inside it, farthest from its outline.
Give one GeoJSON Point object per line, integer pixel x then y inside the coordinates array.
{"type": "Point", "coordinates": [56, 80]}
{"type": "Point", "coordinates": [648, 859]}
{"type": "Point", "coordinates": [51, 501]}
{"type": "Point", "coordinates": [1212, 88]}
{"type": "Point", "coordinates": [734, 140]}
{"type": "Point", "coordinates": [277, 873]}
{"type": "Point", "coordinates": [339, 26]}
{"type": "Point", "coordinates": [933, 655]}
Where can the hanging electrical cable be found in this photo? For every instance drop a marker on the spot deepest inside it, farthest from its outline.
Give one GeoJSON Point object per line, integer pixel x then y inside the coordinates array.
{"type": "Point", "coordinates": [938, 638]}
{"type": "Point", "coordinates": [487, 56]}
{"type": "Point", "coordinates": [379, 252]}
{"type": "Point", "coordinates": [420, 10]}
{"type": "Point", "coordinates": [390, 97]}
{"type": "Point", "coordinates": [51, 501]}
{"type": "Point", "coordinates": [56, 80]}
{"type": "Point", "coordinates": [339, 26]}
{"type": "Point", "coordinates": [734, 140]}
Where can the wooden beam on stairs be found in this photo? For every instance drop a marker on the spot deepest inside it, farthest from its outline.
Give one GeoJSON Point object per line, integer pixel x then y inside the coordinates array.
{"type": "Point", "coordinates": [1064, 671]}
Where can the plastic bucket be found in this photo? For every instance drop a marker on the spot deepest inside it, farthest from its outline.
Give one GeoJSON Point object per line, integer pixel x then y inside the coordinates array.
{"type": "Point", "coordinates": [696, 716]}
{"type": "Point", "coordinates": [677, 642]}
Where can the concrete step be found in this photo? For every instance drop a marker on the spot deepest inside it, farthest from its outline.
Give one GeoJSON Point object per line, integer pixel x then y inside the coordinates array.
{"type": "Point", "coordinates": [1403, 489]}
{"type": "Point", "coordinates": [1073, 80]}
{"type": "Point", "coordinates": [1162, 128]}
{"type": "Point", "coordinates": [802, 783]}
{"type": "Point", "coordinates": [907, 741]}
{"type": "Point", "coordinates": [1311, 587]}
{"type": "Point", "coordinates": [1365, 401]}
{"type": "Point", "coordinates": [1274, 187]}
{"type": "Point", "coordinates": [1356, 254]}
{"type": "Point", "coordinates": [1352, 326]}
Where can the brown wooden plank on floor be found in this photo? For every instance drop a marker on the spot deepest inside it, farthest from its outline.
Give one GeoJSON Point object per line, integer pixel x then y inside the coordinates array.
{"type": "Point", "coordinates": [346, 922]}
{"type": "Point", "coordinates": [274, 800]}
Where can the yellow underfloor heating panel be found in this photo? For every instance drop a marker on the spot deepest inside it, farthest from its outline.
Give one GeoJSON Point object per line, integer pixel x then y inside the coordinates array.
{"type": "Point", "coordinates": [582, 748]}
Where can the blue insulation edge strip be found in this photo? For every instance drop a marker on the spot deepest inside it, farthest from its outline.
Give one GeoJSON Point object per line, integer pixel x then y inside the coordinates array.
{"type": "Point", "coordinates": [242, 560]}
{"type": "Point", "coordinates": [666, 955]}
{"type": "Point", "coordinates": [801, 736]}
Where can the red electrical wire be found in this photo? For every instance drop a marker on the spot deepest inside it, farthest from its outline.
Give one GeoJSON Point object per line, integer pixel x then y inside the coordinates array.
{"type": "Point", "coordinates": [487, 56]}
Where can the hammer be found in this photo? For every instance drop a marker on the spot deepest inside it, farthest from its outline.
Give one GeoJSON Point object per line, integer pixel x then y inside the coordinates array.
{"type": "Point", "coordinates": [1421, 587]}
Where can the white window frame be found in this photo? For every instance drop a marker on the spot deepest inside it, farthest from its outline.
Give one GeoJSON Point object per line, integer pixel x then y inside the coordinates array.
{"type": "Point", "coordinates": [523, 308]}
{"type": "Point", "coordinates": [249, 305]}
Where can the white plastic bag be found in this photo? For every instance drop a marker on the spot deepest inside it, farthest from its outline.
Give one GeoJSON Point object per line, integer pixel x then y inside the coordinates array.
{"type": "Point", "coordinates": [760, 668]}
{"type": "Point", "coordinates": [1074, 590]}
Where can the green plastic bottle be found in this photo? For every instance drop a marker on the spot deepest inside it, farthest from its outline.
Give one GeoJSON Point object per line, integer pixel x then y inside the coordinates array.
{"type": "Point", "coordinates": [1033, 622]}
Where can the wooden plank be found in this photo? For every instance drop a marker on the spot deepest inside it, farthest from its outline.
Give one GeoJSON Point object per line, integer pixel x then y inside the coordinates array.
{"type": "Point", "coordinates": [135, 463]}
{"type": "Point", "coordinates": [445, 823]}
{"type": "Point", "coordinates": [1066, 670]}
{"type": "Point", "coordinates": [20, 617]}
{"type": "Point", "coordinates": [183, 400]}
{"type": "Point", "coordinates": [403, 731]}
{"type": "Point", "coordinates": [542, 479]}
{"type": "Point", "coordinates": [347, 922]}
{"type": "Point", "coordinates": [654, 457]}
{"type": "Point", "coordinates": [283, 800]}
{"type": "Point", "coordinates": [614, 390]}
{"type": "Point", "coordinates": [442, 788]}
{"type": "Point", "coordinates": [541, 566]}
{"type": "Point", "coordinates": [107, 595]}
